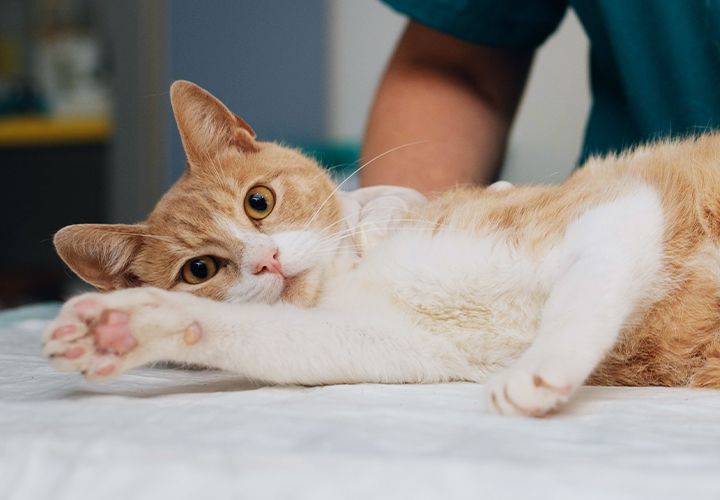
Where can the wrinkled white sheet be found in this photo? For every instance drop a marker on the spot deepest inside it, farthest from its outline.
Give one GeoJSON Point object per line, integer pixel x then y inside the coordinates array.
{"type": "Point", "coordinates": [164, 433]}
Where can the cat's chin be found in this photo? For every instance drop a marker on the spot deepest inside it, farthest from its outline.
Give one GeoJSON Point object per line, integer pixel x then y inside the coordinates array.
{"type": "Point", "coordinates": [303, 289]}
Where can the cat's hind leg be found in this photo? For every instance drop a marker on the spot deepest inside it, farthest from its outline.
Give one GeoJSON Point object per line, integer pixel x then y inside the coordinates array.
{"type": "Point", "coordinates": [708, 376]}
{"type": "Point", "coordinates": [609, 260]}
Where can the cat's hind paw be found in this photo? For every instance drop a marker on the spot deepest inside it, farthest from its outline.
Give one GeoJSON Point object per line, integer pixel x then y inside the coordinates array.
{"type": "Point", "coordinates": [527, 391]}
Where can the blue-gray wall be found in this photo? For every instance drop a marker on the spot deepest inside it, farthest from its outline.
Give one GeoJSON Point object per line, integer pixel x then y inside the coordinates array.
{"type": "Point", "coordinates": [266, 59]}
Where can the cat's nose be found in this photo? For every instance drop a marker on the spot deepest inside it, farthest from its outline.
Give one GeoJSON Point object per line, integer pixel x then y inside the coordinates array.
{"type": "Point", "coordinates": [269, 263]}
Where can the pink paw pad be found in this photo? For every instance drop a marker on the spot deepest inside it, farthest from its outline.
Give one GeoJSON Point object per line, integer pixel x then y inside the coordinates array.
{"type": "Point", "coordinates": [105, 371]}
{"type": "Point", "coordinates": [112, 332]}
{"type": "Point", "coordinates": [74, 353]}
{"type": "Point", "coordinates": [192, 334]}
{"type": "Point", "coordinates": [64, 331]}
{"type": "Point", "coordinates": [85, 307]}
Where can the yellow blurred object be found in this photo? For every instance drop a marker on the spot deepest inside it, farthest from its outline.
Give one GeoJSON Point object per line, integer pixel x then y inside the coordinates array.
{"type": "Point", "coordinates": [42, 130]}
{"type": "Point", "coordinates": [9, 59]}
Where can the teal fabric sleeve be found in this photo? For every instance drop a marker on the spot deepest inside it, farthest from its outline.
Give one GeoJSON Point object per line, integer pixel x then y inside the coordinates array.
{"type": "Point", "coordinates": [496, 23]}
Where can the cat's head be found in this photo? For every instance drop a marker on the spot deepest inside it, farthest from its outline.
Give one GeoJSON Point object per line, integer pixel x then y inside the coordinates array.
{"type": "Point", "coordinates": [248, 221]}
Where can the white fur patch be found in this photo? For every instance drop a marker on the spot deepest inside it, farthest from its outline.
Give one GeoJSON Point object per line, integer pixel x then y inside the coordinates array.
{"type": "Point", "coordinates": [422, 307]}
{"type": "Point", "coordinates": [608, 264]}
{"type": "Point", "coordinates": [301, 251]}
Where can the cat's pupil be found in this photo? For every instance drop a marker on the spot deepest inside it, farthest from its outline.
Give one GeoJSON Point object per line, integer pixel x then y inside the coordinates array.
{"type": "Point", "coordinates": [258, 202]}
{"type": "Point", "coordinates": [199, 269]}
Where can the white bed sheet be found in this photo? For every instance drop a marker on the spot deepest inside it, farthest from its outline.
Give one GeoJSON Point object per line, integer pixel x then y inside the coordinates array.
{"type": "Point", "coordinates": [164, 433]}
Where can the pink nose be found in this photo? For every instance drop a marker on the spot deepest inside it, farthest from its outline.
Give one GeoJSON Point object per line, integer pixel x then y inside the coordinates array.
{"type": "Point", "coordinates": [269, 264]}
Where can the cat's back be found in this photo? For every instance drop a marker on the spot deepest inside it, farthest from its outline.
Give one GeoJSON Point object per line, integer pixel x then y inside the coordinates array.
{"type": "Point", "coordinates": [684, 174]}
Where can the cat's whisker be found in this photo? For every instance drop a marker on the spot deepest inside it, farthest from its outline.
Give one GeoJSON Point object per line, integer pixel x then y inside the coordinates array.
{"type": "Point", "coordinates": [355, 172]}
{"type": "Point", "coordinates": [383, 221]}
{"type": "Point", "coordinates": [335, 223]}
{"type": "Point", "coordinates": [323, 246]}
{"type": "Point", "coordinates": [349, 229]}
{"type": "Point", "coordinates": [370, 229]}
{"type": "Point", "coordinates": [331, 248]}
{"type": "Point", "coordinates": [355, 229]}
{"type": "Point", "coordinates": [333, 167]}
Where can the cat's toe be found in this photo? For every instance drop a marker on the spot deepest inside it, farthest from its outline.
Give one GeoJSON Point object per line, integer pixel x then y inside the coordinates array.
{"type": "Point", "coordinates": [103, 366]}
{"type": "Point", "coordinates": [527, 392]}
{"type": "Point", "coordinates": [69, 354]}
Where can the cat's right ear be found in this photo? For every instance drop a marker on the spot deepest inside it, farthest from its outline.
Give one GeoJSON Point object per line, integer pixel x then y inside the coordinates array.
{"type": "Point", "coordinates": [101, 254]}
{"type": "Point", "coordinates": [206, 125]}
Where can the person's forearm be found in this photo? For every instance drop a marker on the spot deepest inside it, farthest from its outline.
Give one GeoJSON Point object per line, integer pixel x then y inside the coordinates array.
{"type": "Point", "coordinates": [448, 136]}
{"type": "Point", "coordinates": [453, 119]}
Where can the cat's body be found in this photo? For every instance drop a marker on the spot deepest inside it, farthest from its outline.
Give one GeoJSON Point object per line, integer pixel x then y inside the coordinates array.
{"type": "Point", "coordinates": [660, 207]}
{"type": "Point", "coordinates": [613, 277]}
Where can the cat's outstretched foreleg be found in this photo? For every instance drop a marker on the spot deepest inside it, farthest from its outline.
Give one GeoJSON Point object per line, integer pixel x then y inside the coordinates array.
{"type": "Point", "coordinates": [608, 262]}
{"type": "Point", "coordinates": [102, 335]}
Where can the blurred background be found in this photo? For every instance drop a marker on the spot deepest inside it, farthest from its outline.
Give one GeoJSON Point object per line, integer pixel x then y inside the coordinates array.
{"type": "Point", "coordinates": [86, 133]}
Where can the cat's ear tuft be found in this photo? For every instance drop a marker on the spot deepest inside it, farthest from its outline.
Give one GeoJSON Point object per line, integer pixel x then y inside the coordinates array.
{"type": "Point", "coordinates": [206, 125]}
{"type": "Point", "coordinates": [101, 254]}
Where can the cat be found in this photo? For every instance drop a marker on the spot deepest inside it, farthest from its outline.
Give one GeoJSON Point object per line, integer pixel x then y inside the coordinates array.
{"type": "Point", "coordinates": [250, 263]}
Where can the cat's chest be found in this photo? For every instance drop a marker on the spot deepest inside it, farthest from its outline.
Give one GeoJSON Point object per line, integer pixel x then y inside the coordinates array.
{"type": "Point", "coordinates": [452, 282]}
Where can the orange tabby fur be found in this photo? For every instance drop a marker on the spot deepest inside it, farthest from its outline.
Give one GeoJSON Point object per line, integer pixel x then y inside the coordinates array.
{"type": "Point", "coordinates": [672, 341]}
{"type": "Point", "coordinates": [184, 223]}
{"type": "Point", "coordinates": [676, 340]}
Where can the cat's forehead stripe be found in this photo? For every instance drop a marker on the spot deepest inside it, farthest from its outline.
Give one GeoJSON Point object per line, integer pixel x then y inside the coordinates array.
{"type": "Point", "coordinates": [204, 203]}
{"type": "Point", "coordinates": [230, 226]}
{"type": "Point", "coordinates": [188, 234]}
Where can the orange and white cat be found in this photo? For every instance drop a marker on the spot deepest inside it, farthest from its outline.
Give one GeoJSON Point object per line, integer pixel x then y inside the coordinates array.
{"type": "Point", "coordinates": [611, 278]}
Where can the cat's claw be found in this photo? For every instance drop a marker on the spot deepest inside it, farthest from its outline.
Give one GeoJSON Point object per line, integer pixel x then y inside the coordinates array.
{"type": "Point", "coordinates": [527, 391]}
{"type": "Point", "coordinates": [103, 335]}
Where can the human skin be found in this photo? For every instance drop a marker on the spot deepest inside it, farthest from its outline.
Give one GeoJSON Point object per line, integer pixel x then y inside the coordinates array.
{"type": "Point", "coordinates": [449, 106]}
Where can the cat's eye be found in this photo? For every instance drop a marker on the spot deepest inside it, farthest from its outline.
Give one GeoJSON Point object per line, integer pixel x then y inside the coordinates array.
{"type": "Point", "coordinates": [199, 269]}
{"type": "Point", "coordinates": [259, 202]}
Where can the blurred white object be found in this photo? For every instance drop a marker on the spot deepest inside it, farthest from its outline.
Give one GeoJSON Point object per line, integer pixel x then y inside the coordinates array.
{"type": "Point", "coordinates": [373, 212]}
{"type": "Point", "coordinates": [66, 70]}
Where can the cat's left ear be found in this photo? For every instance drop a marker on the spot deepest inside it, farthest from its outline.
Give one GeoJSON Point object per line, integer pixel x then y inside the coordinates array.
{"type": "Point", "coordinates": [206, 125]}
{"type": "Point", "coordinates": [101, 254]}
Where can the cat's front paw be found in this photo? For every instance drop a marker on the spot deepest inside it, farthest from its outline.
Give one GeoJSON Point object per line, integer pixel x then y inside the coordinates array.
{"type": "Point", "coordinates": [526, 389]}
{"type": "Point", "coordinates": [103, 335]}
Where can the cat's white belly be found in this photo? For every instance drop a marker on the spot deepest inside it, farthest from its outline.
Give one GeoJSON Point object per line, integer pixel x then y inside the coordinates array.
{"type": "Point", "coordinates": [481, 293]}
{"type": "Point", "coordinates": [487, 296]}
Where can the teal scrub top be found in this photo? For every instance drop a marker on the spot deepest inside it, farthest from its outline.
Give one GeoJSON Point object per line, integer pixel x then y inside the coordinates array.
{"type": "Point", "coordinates": [654, 64]}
